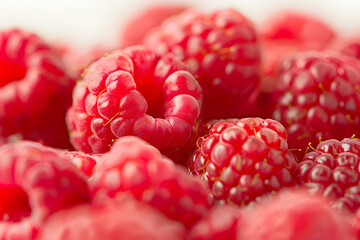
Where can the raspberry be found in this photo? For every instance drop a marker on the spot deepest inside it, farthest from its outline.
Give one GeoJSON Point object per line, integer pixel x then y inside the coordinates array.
{"type": "Point", "coordinates": [121, 219]}
{"type": "Point", "coordinates": [281, 35]}
{"type": "Point", "coordinates": [35, 91]}
{"type": "Point", "coordinates": [317, 97]}
{"type": "Point", "coordinates": [86, 163]}
{"type": "Point", "coordinates": [301, 29]}
{"type": "Point", "coordinates": [133, 92]}
{"type": "Point", "coordinates": [295, 215]}
{"type": "Point", "coordinates": [245, 159]}
{"type": "Point", "coordinates": [220, 223]}
{"type": "Point", "coordinates": [332, 170]}
{"type": "Point", "coordinates": [144, 21]}
{"type": "Point", "coordinates": [223, 54]}
{"type": "Point", "coordinates": [135, 167]}
{"type": "Point", "coordinates": [35, 181]}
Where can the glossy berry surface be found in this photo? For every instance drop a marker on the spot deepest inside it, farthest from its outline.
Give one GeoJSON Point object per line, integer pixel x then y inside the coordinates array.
{"type": "Point", "coordinates": [333, 171]}
{"type": "Point", "coordinates": [134, 92]}
{"type": "Point", "coordinates": [135, 167]}
{"type": "Point", "coordinates": [35, 90]}
{"type": "Point", "coordinates": [318, 97]}
{"type": "Point", "coordinates": [223, 54]}
{"type": "Point", "coordinates": [244, 160]}
{"type": "Point", "coordinates": [35, 181]}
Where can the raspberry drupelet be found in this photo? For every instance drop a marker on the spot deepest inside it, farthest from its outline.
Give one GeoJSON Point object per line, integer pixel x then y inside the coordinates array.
{"type": "Point", "coordinates": [134, 92]}
{"type": "Point", "coordinates": [222, 51]}
{"type": "Point", "coordinates": [35, 90]}
{"type": "Point", "coordinates": [332, 170]}
{"type": "Point", "coordinates": [245, 159]}
{"type": "Point", "coordinates": [318, 97]}
{"type": "Point", "coordinates": [35, 182]}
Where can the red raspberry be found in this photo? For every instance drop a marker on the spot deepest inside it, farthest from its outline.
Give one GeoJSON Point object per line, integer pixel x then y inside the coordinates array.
{"type": "Point", "coordinates": [223, 54]}
{"type": "Point", "coordinates": [282, 34]}
{"type": "Point", "coordinates": [135, 167]}
{"type": "Point", "coordinates": [296, 216]}
{"type": "Point", "coordinates": [34, 90]}
{"type": "Point", "coordinates": [333, 170]}
{"type": "Point", "coordinates": [133, 92]}
{"type": "Point", "coordinates": [121, 219]}
{"type": "Point", "coordinates": [220, 223]}
{"type": "Point", "coordinates": [318, 97]}
{"type": "Point", "coordinates": [86, 163]}
{"type": "Point", "coordinates": [144, 21]}
{"type": "Point", "coordinates": [245, 159]}
{"type": "Point", "coordinates": [301, 29]}
{"type": "Point", "coordinates": [35, 181]}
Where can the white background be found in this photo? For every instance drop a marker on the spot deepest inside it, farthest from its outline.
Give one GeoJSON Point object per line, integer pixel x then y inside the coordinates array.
{"type": "Point", "coordinates": [88, 22]}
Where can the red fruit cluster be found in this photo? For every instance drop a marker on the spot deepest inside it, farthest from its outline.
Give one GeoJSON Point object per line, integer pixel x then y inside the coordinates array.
{"type": "Point", "coordinates": [245, 159]}
{"type": "Point", "coordinates": [35, 90]}
{"type": "Point", "coordinates": [133, 92]}
{"type": "Point", "coordinates": [223, 54]}
{"type": "Point", "coordinates": [333, 171]}
{"type": "Point", "coordinates": [318, 97]}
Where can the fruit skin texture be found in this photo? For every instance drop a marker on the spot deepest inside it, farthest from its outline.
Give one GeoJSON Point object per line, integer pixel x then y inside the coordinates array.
{"type": "Point", "coordinates": [144, 21]}
{"type": "Point", "coordinates": [123, 218]}
{"type": "Point", "coordinates": [333, 170]}
{"type": "Point", "coordinates": [134, 92]}
{"type": "Point", "coordinates": [35, 182]}
{"type": "Point", "coordinates": [135, 167]}
{"type": "Point", "coordinates": [244, 160]}
{"type": "Point", "coordinates": [219, 223]}
{"type": "Point", "coordinates": [297, 216]}
{"type": "Point", "coordinates": [317, 97]}
{"type": "Point", "coordinates": [35, 90]}
{"type": "Point", "coordinates": [223, 54]}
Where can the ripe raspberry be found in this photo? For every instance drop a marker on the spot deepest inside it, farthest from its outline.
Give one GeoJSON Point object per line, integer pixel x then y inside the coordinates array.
{"type": "Point", "coordinates": [281, 35]}
{"type": "Point", "coordinates": [133, 92]}
{"type": "Point", "coordinates": [333, 171]}
{"type": "Point", "coordinates": [35, 91]}
{"type": "Point", "coordinates": [301, 29]}
{"type": "Point", "coordinates": [135, 167]}
{"type": "Point", "coordinates": [220, 223]}
{"type": "Point", "coordinates": [86, 163]}
{"type": "Point", "coordinates": [223, 54]}
{"type": "Point", "coordinates": [117, 219]}
{"type": "Point", "coordinates": [144, 21]}
{"type": "Point", "coordinates": [318, 97]}
{"type": "Point", "coordinates": [297, 216]}
{"type": "Point", "coordinates": [35, 181]}
{"type": "Point", "coordinates": [245, 159]}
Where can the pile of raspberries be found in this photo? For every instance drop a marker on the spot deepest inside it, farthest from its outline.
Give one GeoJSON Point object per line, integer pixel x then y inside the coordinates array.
{"type": "Point", "coordinates": [196, 126]}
